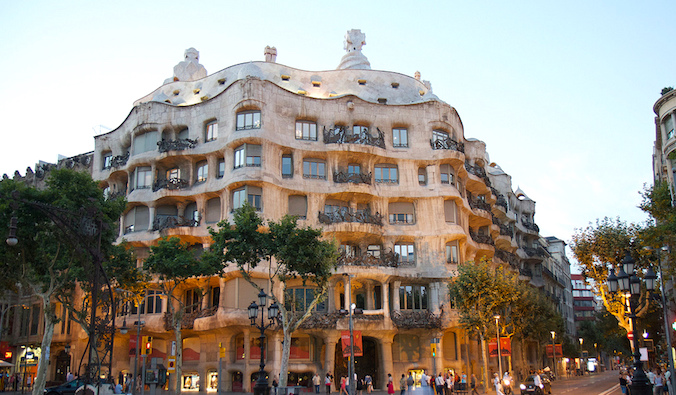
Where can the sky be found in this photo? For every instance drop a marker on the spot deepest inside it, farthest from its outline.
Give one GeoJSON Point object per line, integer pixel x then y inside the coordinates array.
{"type": "Point", "coordinates": [560, 92]}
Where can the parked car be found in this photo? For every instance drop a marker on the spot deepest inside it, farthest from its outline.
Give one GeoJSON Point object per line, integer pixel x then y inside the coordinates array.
{"type": "Point", "coordinates": [67, 388]}
{"type": "Point", "coordinates": [528, 387]}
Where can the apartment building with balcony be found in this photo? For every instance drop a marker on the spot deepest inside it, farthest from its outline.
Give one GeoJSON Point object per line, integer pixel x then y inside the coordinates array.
{"type": "Point", "coordinates": [374, 158]}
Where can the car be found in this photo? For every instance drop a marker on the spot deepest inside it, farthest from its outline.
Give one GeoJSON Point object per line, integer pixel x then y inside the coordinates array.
{"type": "Point", "coordinates": [67, 388]}
{"type": "Point", "coordinates": [528, 387]}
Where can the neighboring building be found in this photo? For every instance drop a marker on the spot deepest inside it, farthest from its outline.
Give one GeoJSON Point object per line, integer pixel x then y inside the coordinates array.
{"type": "Point", "coordinates": [584, 304]}
{"type": "Point", "coordinates": [372, 157]}
{"type": "Point", "coordinates": [664, 151]}
{"type": "Point", "coordinates": [559, 265]}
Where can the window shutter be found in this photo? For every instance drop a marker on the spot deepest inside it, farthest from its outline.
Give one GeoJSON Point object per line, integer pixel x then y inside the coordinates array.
{"type": "Point", "coordinates": [450, 211]}
{"type": "Point", "coordinates": [298, 205]}
{"type": "Point", "coordinates": [213, 210]}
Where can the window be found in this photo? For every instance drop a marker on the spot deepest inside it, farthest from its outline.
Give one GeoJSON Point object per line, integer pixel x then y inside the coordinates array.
{"type": "Point", "coordinates": [401, 213]}
{"type": "Point", "coordinates": [358, 130]}
{"type": "Point", "coordinates": [184, 134]}
{"type": "Point", "coordinates": [353, 168]}
{"type": "Point", "coordinates": [249, 194]}
{"type": "Point", "coordinates": [214, 296]}
{"type": "Point", "coordinates": [447, 174]}
{"type": "Point", "coordinates": [35, 319]}
{"type": "Point", "coordinates": [107, 160]}
{"type": "Point", "coordinates": [451, 211]}
{"type": "Point", "coordinates": [452, 252]}
{"type": "Point", "coordinates": [202, 172]}
{"type": "Point", "coordinates": [422, 175]}
{"type": "Point", "coordinates": [400, 137]}
{"type": "Point", "coordinates": [153, 301]}
{"type": "Point", "coordinates": [287, 166]}
{"type": "Point", "coordinates": [374, 250]}
{"type": "Point", "coordinates": [306, 130]}
{"type": "Point", "coordinates": [173, 174]}
{"type": "Point", "coordinates": [438, 135]}
{"type": "Point", "coordinates": [298, 206]}
{"type": "Point", "coordinates": [413, 297]}
{"type": "Point", "coordinates": [221, 168]}
{"type": "Point", "coordinates": [211, 131]}
{"type": "Point", "coordinates": [406, 252]}
{"type": "Point", "coordinates": [299, 299]}
{"type": "Point", "coordinates": [314, 168]}
{"type": "Point", "coordinates": [136, 219]}
{"type": "Point", "coordinates": [669, 126]}
{"type": "Point", "coordinates": [386, 173]}
{"type": "Point", "coordinates": [334, 206]}
{"type": "Point", "coordinates": [144, 177]}
{"type": "Point", "coordinates": [193, 300]}
{"type": "Point", "coordinates": [145, 142]}
{"type": "Point", "coordinates": [248, 155]}
{"type": "Point", "coordinates": [248, 120]}
{"type": "Point", "coordinates": [213, 214]}
{"type": "Point", "coordinates": [349, 250]}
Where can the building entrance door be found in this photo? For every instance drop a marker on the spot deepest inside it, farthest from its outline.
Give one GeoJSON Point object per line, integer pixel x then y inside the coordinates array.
{"type": "Point", "coordinates": [62, 366]}
{"type": "Point", "coordinates": [367, 364]}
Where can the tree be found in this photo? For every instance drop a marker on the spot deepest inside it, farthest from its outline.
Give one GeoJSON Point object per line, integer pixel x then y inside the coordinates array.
{"type": "Point", "coordinates": [174, 264]}
{"type": "Point", "coordinates": [480, 291]}
{"type": "Point", "coordinates": [661, 229]}
{"type": "Point", "coordinates": [63, 231]}
{"type": "Point", "coordinates": [601, 247]}
{"type": "Point", "coordinates": [297, 252]}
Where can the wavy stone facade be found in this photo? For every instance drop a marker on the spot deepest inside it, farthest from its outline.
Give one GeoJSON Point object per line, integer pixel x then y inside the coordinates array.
{"type": "Point", "coordinates": [372, 157]}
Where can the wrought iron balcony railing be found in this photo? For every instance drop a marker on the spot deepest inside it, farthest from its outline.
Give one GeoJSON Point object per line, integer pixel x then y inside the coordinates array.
{"type": "Point", "coordinates": [477, 203]}
{"type": "Point", "coordinates": [175, 145]}
{"type": "Point", "coordinates": [410, 319]}
{"type": "Point", "coordinates": [481, 238]}
{"type": "Point", "coordinates": [386, 259]}
{"type": "Point", "coordinates": [119, 160]}
{"type": "Point", "coordinates": [355, 178]}
{"type": "Point", "coordinates": [530, 226]}
{"type": "Point", "coordinates": [342, 135]}
{"type": "Point", "coordinates": [478, 171]}
{"type": "Point", "coordinates": [171, 184]}
{"type": "Point", "coordinates": [508, 257]}
{"type": "Point", "coordinates": [359, 216]}
{"type": "Point", "coordinates": [447, 143]}
{"type": "Point", "coordinates": [535, 252]}
{"type": "Point", "coordinates": [162, 222]}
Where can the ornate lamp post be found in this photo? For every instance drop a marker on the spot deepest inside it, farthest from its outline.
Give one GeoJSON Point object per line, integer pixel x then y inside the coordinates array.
{"type": "Point", "coordinates": [261, 386]}
{"type": "Point", "coordinates": [554, 351]}
{"type": "Point", "coordinates": [497, 330]}
{"type": "Point", "coordinates": [627, 281]}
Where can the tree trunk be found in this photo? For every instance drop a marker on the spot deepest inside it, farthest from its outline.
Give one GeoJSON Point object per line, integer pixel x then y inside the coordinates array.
{"type": "Point", "coordinates": [41, 378]}
{"type": "Point", "coordinates": [284, 366]}
{"type": "Point", "coordinates": [179, 355]}
{"type": "Point", "coordinates": [484, 360]}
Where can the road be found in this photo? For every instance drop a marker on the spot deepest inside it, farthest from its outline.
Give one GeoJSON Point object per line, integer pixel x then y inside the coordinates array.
{"type": "Point", "coordinates": [606, 383]}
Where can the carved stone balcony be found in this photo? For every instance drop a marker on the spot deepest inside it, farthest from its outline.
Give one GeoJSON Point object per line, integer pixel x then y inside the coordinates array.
{"type": "Point", "coordinates": [538, 252]}
{"type": "Point", "coordinates": [359, 216]}
{"type": "Point", "coordinates": [342, 135]}
{"type": "Point", "coordinates": [162, 222]}
{"type": "Point", "coordinates": [481, 238]}
{"type": "Point", "coordinates": [478, 171]}
{"type": "Point", "coordinates": [386, 259]}
{"type": "Point", "coordinates": [501, 202]}
{"type": "Point", "coordinates": [411, 319]}
{"type": "Point", "coordinates": [175, 145]}
{"type": "Point", "coordinates": [532, 226]}
{"type": "Point", "coordinates": [506, 230]}
{"type": "Point", "coordinates": [117, 194]}
{"type": "Point", "coordinates": [447, 143]}
{"type": "Point", "coordinates": [526, 272]}
{"type": "Point", "coordinates": [171, 184]}
{"type": "Point", "coordinates": [119, 160]}
{"type": "Point", "coordinates": [341, 177]}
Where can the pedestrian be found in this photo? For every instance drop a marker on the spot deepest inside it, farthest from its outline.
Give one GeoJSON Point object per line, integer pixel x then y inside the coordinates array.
{"type": "Point", "coordinates": [440, 383]}
{"type": "Point", "coordinates": [623, 382]}
{"type": "Point", "coordinates": [449, 383]}
{"type": "Point", "coordinates": [343, 385]}
{"type": "Point", "coordinates": [402, 384]}
{"type": "Point", "coordinates": [659, 382]}
{"type": "Point", "coordinates": [472, 384]}
{"type": "Point", "coordinates": [316, 381]}
{"type": "Point", "coordinates": [498, 385]}
{"type": "Point", "coordinates": [369, 383]}
{"type": "Point", "coordinates": [390, 386]}
{"type": "Point", "coordinates": [327, 383]}
{"type": "Point", "coordinates": [409, 382]}
{"type": "Point", "coordinates": [360, 385]}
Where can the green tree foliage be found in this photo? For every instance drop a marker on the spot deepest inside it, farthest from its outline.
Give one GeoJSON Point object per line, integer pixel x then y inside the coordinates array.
{"type": "Point", "coordinates": [288, 250]}
{"type": "Point", "coordinates": [176, 266]}
{"type": "Point", "coordinates": [480, 291]}
{"type": "Point", "coordinates": [661, 229]}
{"type": "Point", "coordinates": [63, 229]}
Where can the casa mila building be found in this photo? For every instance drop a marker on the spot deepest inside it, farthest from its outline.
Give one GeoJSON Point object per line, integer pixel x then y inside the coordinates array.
{"type": "Point", "coordinates": [373, 158]}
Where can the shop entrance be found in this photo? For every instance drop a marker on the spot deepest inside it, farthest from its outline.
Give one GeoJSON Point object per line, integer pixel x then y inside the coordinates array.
{"type": "Point", "coordinates": [367, 364]}
{"type": "Point", "coordinates": [62, 366]}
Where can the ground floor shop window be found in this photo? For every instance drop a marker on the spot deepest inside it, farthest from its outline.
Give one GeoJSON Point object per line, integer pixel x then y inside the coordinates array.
{"type": "Point", "coordinates": [191, 382]}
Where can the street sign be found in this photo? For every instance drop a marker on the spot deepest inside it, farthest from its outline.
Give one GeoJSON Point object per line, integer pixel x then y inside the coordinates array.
{"type": "Point", "coordinates": [171, 364]}
{"type": "Point", "coordinates": [630, 335]}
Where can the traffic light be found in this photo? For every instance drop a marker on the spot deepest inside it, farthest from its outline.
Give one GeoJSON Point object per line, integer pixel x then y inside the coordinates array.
{"type": "Point", "coordinates": [434, 349]}
{"type": "Point", "coordinates": [148, 344]}
{"type": "Point", "coordinates": [673, 325]}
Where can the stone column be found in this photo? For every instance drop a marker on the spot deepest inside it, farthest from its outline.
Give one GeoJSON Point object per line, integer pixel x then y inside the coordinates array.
{"type": "Point", "coordinates": [395, 296]}
{"type": "Point", "coordinates": [330, 342]}
{"type": "Point", "coordinates": [434, 297]}
{"type": "Point", "coordinates": [122, 225]}
{"type": "Point", "coordinates": [346, 296]}
{"type": "Point", "coordinates": [331, 298]}
{"type": "Point", "coordinates": [370, 303]}
{"type": "Point", "coordinates": [386, 363]}
{"type": "Point", "coordinates": [386, 299]}
{"type": "Point", "coordinates": [246, 379]}
{"type": "Point", "coordinates": [151, 217]}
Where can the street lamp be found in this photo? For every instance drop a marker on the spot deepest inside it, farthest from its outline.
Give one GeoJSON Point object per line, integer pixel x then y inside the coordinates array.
{"type": "Point", "coordinates": [261, 386]}
{"type": "Point", "coordinates": [629, 282]}
{"type": "Point", "coordinates": [497, 330]}
{"type": "Point", "coordinates": [554, 351]}
{"type": "Point", "coordinates": [581, 356]}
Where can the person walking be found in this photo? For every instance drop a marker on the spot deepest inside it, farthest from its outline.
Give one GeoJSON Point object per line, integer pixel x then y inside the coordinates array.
{"type": "Point", "coordinates": [623, 382]}
{"type": "Point", "coordinates": [472, 384]}
{"type": "Point", "coordinates": [402, 384]}
{"type": "Point", "coordinates": [498, 384]}
{"type": "Point", "coordinates": [440, 383]}
{"type": "Point", "coordinates": [316, 381]}
{"type": "Point", "coordinates": [410, 382]}
{"type": "Point", "coordinates": [327, 383]}
{"type": "Point", "coordinates": [343, 385]}
{"type": "Point", "coordinates": [659, 382]}
{"type": "Point", "coordinates": [390, 385]}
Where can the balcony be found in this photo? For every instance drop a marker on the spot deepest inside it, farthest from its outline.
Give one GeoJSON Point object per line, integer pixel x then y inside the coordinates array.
{"type": "Point", "coordinates": [341, 177]}
{"type": "Point", "coordinates": [502, 202]}
{"type": "Point", "coordinates": [175, 145]}
{"type": "Point", "coordinates": [162, 222]}
{"type": "Point", "coordinates": [532, 226]}
{"type": "Point", "coordinates": [481, 238]}
{"type": "Point", "coordinates": [119, 160]}
{"type": "Point", "coordinates": [506, 230]}
{"type": "Point", "coordinates": [358, 216]}
{"type": "Point", "coordinates": [385, 259]}
{"type": "Point", "coordinates": [411, 319]}
{"type": "Point", "coordinates": [117, 194]}
{"type": "Point", "coordinates": [478, 171]}
{"type": "Point", "coordinates": [508, 257]}
{"type": "Point", "coordinates": [171, 184]}
{"type": "Point", "coordinates": [342, 135]}
{"type": "Point", "coordinates": [478, 203]}
{"type": "Point", "coordinates": [537, 252]}
{"type": "Point", "coordinates": [188, 319]}
{"type": "Point", "coordinates": [447, 144]}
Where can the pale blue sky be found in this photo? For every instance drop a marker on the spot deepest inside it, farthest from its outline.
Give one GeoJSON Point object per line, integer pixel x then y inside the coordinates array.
{"type": "Point", "coordinates": [562, 93]}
